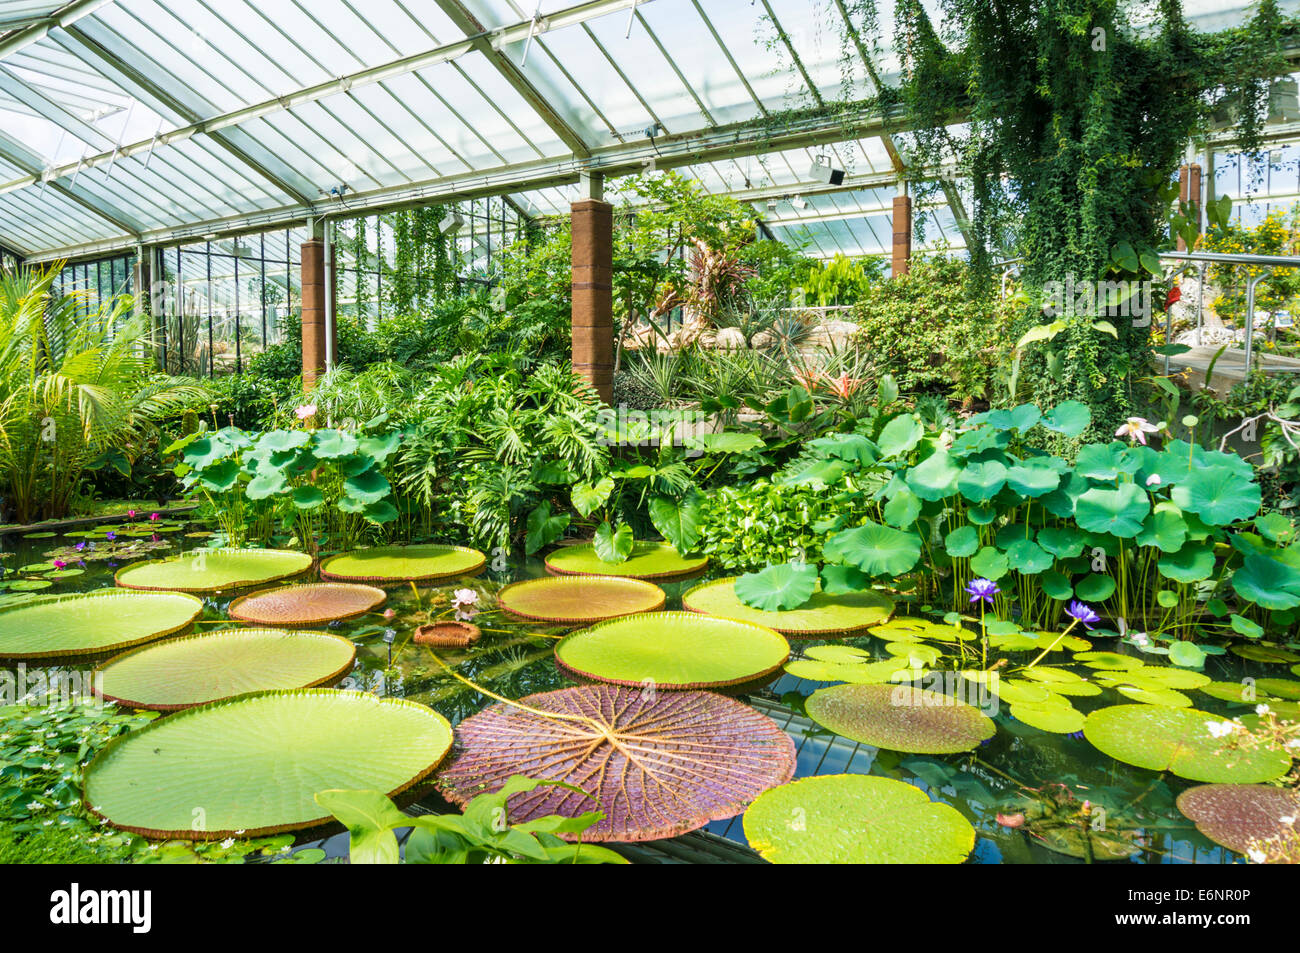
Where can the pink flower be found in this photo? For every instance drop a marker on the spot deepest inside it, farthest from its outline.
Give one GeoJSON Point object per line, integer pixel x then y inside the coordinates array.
{"type": "Point", "coordinates": [59, 564]}
{"type": "Point", "coordinates": [1011, 820]}
{"type": "Point", "coordinates": [305, 411]}
{"type": "Point", "coordinates": [130, 514]}
{"type": "Point", "coordinates": [154, 517]}
{"type": "Point", "coordinates": [1136, 429]}
{"type": "Point", "coordinates": [389, 613]}
{"type": "Point", "coordinates": [464, 601]}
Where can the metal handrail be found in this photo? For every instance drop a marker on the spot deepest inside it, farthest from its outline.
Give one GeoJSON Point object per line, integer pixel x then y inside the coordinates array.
{"type": "Point", "coordinates": [1204, 258]}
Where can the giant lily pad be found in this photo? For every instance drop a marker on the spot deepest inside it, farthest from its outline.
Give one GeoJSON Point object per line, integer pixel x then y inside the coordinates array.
{"type": "Point", "coordinates": [855, 819]}
{"type": "Point", "coordinates": [900, 718]}
{"type": "Point", "coordinates": [428, 562]}
{"type": "Point", "coordinates": [211, 570]}
{"type": "Point", "coordinates": [646, 561]}
{"type": "Point", "coordinates": [88, 623]}
{"type": "Point", "coordinates": [1179, 740]}
{"type": "Point", "coordinates": [314, 603]}
{"type": "Point", "coordinates": [580, 600]}
{"type": "Point", "coordinates": [1237, 815]}
{"type": "Point", "coordinates": [252, 765]}
{"type": "Point", "coordinates": [673, 650]}
{"type": "Point", "coordinates": [821, 615]}
{"type": "Point", "coordinates": [656, 764]}
{"type": "Point", "coordinates": [181, 673]}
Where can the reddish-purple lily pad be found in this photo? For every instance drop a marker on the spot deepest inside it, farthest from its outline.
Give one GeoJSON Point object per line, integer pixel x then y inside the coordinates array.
{"type": "Point", "coordinates": [657, 764]}
{"type": "Point", "coordinates": [1238, 815]}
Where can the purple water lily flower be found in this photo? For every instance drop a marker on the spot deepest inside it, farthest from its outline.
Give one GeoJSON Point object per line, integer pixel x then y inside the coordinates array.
{"type": "Point", "coordinates": [80, 546]}
{"type": "Point", "coordinates": [1082, 613]}
{"type": "Point", "coordinates": [982, 588]}
{"type": "Point", "coordinates": [110, 536]}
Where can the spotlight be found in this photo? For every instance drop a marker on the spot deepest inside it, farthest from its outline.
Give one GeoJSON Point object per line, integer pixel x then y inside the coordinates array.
{"type": "Point", "coordinates": [799, 202]}
{"type": "Point", "coordinates": [451, 223]}
{"type": "Point", "coordinates": [823, 171]}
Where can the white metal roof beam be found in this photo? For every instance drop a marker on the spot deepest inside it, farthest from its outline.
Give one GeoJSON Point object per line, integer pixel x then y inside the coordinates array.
{"type": "Point", "coordinates": [37, 31]}
{"type": "Point", "coordinates": [15, 154]}
{"type": "Point", "coordinates": [673, 151]}
{"type": "Point", "coordinates": [468, 24]}
{"type": "Point", "coordinates": [515, 33]}
{"type": "Point", "coordinates": [234, 142]}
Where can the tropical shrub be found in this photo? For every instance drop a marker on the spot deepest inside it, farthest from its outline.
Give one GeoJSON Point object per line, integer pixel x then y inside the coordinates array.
{"type": "Point", "coordinates": [490, 438]}
{"type": "Point", "coordinates": [932, 334]}
{"type": "Point", "coordinates": [77, 381]}
{"type": "Point", "coordinates": [841, 280]}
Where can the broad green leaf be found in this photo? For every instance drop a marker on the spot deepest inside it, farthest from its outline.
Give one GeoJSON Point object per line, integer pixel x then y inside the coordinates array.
{"type": "Point", "coordinates": [777, 588]}
{"type": "Point", "coordinates": [613, 545]}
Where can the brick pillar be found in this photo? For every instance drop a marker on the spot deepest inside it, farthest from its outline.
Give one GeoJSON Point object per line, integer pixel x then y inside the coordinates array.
{"type": "Point", "coordinates": [313, 311]}
{"type": "Point", "coordinates": [1189, 190]}
{"type": "Point", "coordinates": [902, 251]}
{"type": "Point", "coordinates": [593, 296]}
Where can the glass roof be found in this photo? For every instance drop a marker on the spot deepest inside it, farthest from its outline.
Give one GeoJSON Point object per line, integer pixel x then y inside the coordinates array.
{"type": "Point", "coordinates": [126, 122]}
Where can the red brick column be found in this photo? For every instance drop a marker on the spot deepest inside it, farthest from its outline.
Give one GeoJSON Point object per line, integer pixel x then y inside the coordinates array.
{"type": "Point", "coordinates": [593, 299]}
{"type": "Point", "coordinates": [1189, 190]}
{"type": "Point", "coordinates": [902, 250]}
{"type": "Point", "coordinates": [313, 311]}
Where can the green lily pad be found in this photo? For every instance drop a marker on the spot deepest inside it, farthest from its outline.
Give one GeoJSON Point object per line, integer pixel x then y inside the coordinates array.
{"type": "Point", "coordinates": [87, 623]}
{"type": "Point", "coordinates": [251, 766]}
{"type": "Point", "coordinates": [783, 586]}
{"type": "Point", "coordinates": [855, 819]}
{"type": "Point", "coordinates": [212, 570]}
{"type": "Point", "coordinates": [181, 673]}
{"type": "Point", "coordinates": [900, 718]}
{"type": "Point", "coordinates": [1218, 494]}
{"type": "Point", "coordinates": [1166, 697]}
{"type": "Point", "coordinates": [1264, 653]}
{"type": "Point", "coordinates": [1119, 512]}
{"type": "Point", "coordinates": [427, 562]}
{"type": "Point", "coordinates": [673, 650]}
{"type": "Point", "coordinates": [1057, 719]}
{"type": "Point", "coordinates": [648, 560]}
{"type": "Point", "coordinates": [821, 615]}
{"type": "Point", "coordinates": [1178, 740]}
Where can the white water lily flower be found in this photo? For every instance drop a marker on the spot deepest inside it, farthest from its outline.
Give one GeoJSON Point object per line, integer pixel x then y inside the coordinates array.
{"type": "Point", "coordinates": [1136, 429]}
{"type": "Point", "coordinates": [1140, 638]}
{"type": "Point", "coordinates": [1262, 709]}
{"type": "Point", "coordinates": [228, 843]}
{"type": "Point", "coordinates": [1154, 480]}
{"type": "Point", "coordinates": [1220, 729]}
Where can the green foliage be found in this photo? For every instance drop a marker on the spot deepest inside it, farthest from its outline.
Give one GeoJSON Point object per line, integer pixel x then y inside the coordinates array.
{"type": "Point", "coordinates": [323, 485]}
{"type": "Point", "coordinates": [481, 835]}
{"type": "Point", "coordinates": [748, 526]}
{"type": "Point", "coordinates": [933, 333]}
{"type": "Point", "coordinates": [1075, 117]}
{"type": "Point", "coordinates": [77, 381]}
{"type": "Point", "coordinates": [841, 280]}
{"type": "Point", "coordinates": [778, 587]}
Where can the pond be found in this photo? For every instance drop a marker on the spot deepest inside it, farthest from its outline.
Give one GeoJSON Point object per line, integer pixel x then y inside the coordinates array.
{"type": "Point", "coordinates": [1057, 781]}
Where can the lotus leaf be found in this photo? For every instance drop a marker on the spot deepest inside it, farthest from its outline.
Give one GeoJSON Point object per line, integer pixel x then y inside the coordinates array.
{"type": "Point", "coordinates": [88, 623]}
{"type": "Point", "coordinates": [427, 562]}
{"type": "Point", "coordinates": [1240, 815]}
{"type": "Point", "coordinates": [212, 570]}
{"type": "Point", "coordinates": [823, 614]}
{"type": "Point", "coordinates": [900, 718]}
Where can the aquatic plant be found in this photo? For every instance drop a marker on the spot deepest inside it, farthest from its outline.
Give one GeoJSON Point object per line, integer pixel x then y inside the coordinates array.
{"type": "Point", "coordinates": [426, 563]}
{"type": "Point", "coordinates": [313, 603]}
{"type": "Point", "coordinates": [655, 764]}
{"type": "Point", "coordinates": [673, 650]}
{"type": "Point", "coordinates": [645, 560]}
{"type": "Point", "coordinates": [188, 775]}
{"type": "Point", "coordinates": [900, 718]}
{"type": "Point", "coordinates": [855, 819]}
{"type": "Point", "coordinates": [213, 570]}
{"type": "Point", "coordinates": [480, 835]}
{"type": "Point", "coordinates": [197, 669]}
{"type": "Point", "coordinates": [88, 623]}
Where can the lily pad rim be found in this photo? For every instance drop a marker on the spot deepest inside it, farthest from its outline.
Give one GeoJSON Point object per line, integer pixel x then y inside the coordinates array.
{"type": "Point", "coordinates": [156, 834]}
{"type": "Point", "coordinates": [796, 633]}
{"type": "Point", "coordinates": [742, 680]}
{"type": "Point", "coordinates": [97, 672]}
{"type": "Point", "coordinates": [234, 584]}
{"type": "Point", "coordinates": [107, 592]}
{"type": "Point", "coordinates": [473, 570]}
{"type": "Point", "coordinates": [575, 578]}
{"type": "Point", "coordinates": [269, 590]}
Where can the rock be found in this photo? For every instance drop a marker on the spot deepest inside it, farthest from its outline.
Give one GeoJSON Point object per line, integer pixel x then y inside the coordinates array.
{"type": "Point", "coordinates": [729, 339]}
